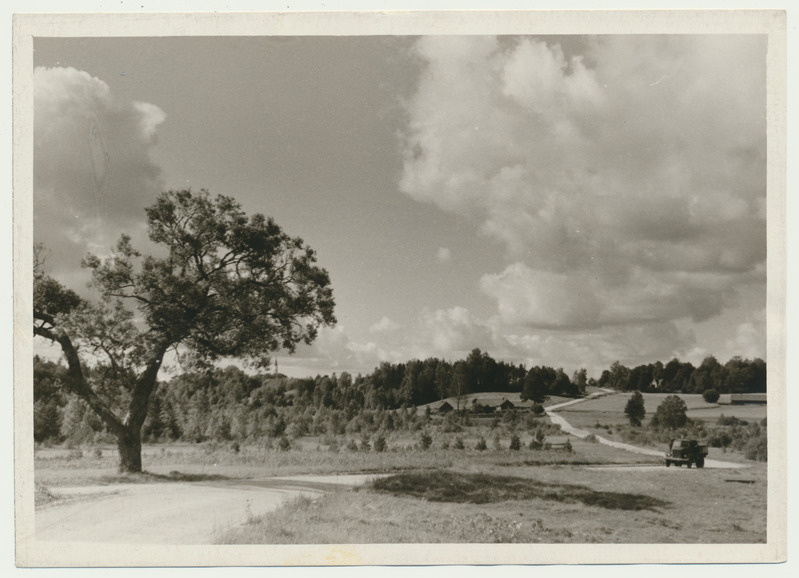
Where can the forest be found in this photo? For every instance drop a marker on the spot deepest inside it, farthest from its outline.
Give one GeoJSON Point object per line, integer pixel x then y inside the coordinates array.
{"type": "Point", "coordinates": [229, 404]}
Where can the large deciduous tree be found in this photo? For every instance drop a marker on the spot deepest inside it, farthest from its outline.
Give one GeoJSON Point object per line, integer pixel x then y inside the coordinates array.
{"type": "Point", "coordinates": [671, 413]}
{"type": "Point", "coordinates": [227, 286]}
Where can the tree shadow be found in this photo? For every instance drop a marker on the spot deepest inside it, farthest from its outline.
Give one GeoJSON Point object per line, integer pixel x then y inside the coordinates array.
{"type": "Point", "coordinates": [152, 478]}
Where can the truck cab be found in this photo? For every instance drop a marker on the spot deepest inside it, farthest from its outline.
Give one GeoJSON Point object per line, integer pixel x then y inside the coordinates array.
{"type": "Point", "coordinates": [688, 452]}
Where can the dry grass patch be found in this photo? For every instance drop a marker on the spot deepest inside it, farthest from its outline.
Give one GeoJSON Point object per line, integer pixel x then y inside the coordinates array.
{"type": "Point", "coordinates": [544, 505]}
{"type": "Point", "coordinates": [448, 486]}
{"type": "Point", "coordinates": [178, 462]}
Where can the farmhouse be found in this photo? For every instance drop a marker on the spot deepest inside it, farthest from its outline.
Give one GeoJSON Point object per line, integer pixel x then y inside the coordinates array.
{"type": "Point", "coordinates": [506, 405]}
{"type": "Point", "coordinates": [495, 404]}
{"type": "Point", "coordinates": [445, 407]}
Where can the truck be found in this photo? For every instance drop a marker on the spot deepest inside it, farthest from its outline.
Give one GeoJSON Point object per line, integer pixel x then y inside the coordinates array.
{"type": "Point", "coordinates": [686, 452]}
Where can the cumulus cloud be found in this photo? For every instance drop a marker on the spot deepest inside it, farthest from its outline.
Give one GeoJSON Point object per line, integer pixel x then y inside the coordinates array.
{"type": "Point", "coordinates": [453, 331]}
{"type": "Point", "coordinates": [93, 174]}
{"type": "Point", "coordinates": [749, 337]}
{"type": "Point", "coordinates": [445, 333]}
{"type": "Point", "coordinates": [385, 325]}
{"type": "Point", "coordinates": [625, 175]}
{"type": "Point", "coordinates": [596, 349]}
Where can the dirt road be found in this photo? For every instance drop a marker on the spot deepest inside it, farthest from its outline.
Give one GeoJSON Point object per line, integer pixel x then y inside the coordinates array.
{"type": "Point", "coordinates": [171, 513]}
{"type": "Point", "coordinates": [568, 428]}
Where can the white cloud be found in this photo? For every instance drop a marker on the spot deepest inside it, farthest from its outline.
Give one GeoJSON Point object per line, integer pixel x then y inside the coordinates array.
{"type": "Point", "coordinates": [627, 181]}
{"type": "Point", "coordinates": [452, 333]}
{"type": "Point", "coordinates": [385, 325]}
{"type": "Point", "coordinates": [448, 332]}
{"type": "Point", "coordinates": [749, 338]}
{"type": "Point", "coordinates": [93, 174]}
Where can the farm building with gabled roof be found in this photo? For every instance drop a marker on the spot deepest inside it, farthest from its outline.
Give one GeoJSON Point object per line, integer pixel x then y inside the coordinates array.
{"type": "Point", "coordinates": [741, 398]}
{"type": "Point", "coordinates": [445, 407]}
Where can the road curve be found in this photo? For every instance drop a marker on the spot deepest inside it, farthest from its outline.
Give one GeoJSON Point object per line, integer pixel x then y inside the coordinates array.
{"type": "Point", "coordinates": [171, 513]}
{"type": "Point", "coordinates": [580, 433]}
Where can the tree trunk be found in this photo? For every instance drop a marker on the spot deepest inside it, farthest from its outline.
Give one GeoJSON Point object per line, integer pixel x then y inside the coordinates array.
{"type": "Point", "coordinates": [129, 445]}
{"type": "Point", "coordinates": [129, 436]}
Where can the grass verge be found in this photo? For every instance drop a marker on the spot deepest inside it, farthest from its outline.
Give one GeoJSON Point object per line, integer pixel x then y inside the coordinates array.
{"type": "Point", "coordinates": [43, 496]}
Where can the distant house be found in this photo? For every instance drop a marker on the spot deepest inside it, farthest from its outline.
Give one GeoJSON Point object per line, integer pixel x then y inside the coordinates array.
{"type": "Point", "coordinates": [742, 398]}
{"type": "Point", "coordinates": [445, 407]}
{"type": "Point", "coordinates": [506, 405]}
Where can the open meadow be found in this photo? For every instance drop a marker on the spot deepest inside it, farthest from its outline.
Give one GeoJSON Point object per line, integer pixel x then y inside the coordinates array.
{"type": "Point", "coordinates": [519, 504]}
{"type": "Point", "coordinates": [516, 488]}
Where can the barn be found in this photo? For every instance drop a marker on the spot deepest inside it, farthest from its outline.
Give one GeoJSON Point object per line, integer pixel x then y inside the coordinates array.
{"type": "Point", "coordinates": [445, 407]}
{"type": "Point", "coordinates": [744, 398]}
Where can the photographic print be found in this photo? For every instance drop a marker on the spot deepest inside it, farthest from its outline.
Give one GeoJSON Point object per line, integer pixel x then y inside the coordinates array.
{"type": "Point", "coordinates": [400, 288]}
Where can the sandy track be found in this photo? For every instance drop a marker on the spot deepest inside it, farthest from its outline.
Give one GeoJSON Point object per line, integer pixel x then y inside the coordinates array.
{"type": "Point", "coordinates": [568, 428]}
{"type": "Point", "coordinates": [170, 513]}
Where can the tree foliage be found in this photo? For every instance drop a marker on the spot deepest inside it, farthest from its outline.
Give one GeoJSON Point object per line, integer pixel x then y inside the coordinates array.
{"type": "Point", "coordinates": [635, 410]}
{"type": "Point", "coordinates": [229, 285]}
{"type": "Point", "coordinates": [671, 413]}
{"type": "Point", "coordinates": [738, 375]}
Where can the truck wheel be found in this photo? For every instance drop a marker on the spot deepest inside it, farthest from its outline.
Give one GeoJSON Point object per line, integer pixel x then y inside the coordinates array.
{"type": "Point", "coordinates": [700, 463]}
{"type": "Point", "coordinates": [689, 465]}
{"type": "Point", "coordinates": [668, 463]}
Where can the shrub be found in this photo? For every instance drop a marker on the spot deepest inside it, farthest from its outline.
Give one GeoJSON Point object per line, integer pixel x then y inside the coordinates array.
{"type": "Point", "coordinates": [365, 445]}
{"type": "Point", "coordinates": [450, 423]}
{"type": "Point", "coordinates": [481, 444]}
{"type": "Point", "coordinates": [757, 448]}
{"type": "Point", "coordinates": [732, 420]}
{"type": "Point", "coordinates": [591, 439]}
{"type": "Point", "coordinates": [568, 447]}
{"type": "Point", "coordinates": [425, 441]}
{"type": "Point", "coordinates": [515, 443]}
{"type": "Point", "coordinates": [352, 446]}
{"type": "Point", "coordinates": [719, 439]}
{"type": "Point", "coordinates": [710, 395]}
{"type": "Point", "coordinates": [538, 409]}
{"type": "Point", "coordinates": [75, 454]}
{"type": "Point", "coordinates": [380, 444]}
{"type": "Point", "coordinates": [284, 444]}
{"type": "Point", "coordinates": [459, 443]}
{"type": "Point", "coordinates": [535, 444]}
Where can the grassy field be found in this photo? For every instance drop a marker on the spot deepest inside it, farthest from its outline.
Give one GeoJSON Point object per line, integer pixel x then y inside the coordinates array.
{"type": "Point", "coordinates": [64, 467]}
{"type": "Point", "coordinates": [609, 410]}
{"type": "Point", "coordinates": [584, 493]}
{"type": "Point", "coordinates": [528, 505]}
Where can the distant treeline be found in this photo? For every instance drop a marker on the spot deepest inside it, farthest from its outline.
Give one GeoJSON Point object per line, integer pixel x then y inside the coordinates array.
{"type": "Point", "coordinates": [229, 404]}
{"type": "Point", "coordinates": [736, 376]}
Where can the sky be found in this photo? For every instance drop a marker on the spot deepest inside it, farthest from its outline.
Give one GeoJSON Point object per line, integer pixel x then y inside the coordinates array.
{"type": "Point", "coordinates": [567, 201]}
